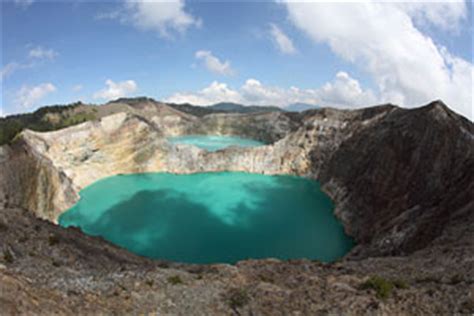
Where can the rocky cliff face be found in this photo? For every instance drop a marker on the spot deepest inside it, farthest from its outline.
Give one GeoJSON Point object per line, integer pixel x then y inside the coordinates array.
{"type": "Point", "coordinates": [401, 181]}
{"type": "Point", "coordinates": [130, 142]}
{"type": "Point", "coordinates": [393, 174]}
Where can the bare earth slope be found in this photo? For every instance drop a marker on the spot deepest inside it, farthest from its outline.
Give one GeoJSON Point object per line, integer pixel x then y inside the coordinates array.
{"type": "Point", "coordinates": [401, 181]}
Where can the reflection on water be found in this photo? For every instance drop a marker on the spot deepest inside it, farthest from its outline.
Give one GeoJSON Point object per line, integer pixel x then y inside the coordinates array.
{"type": "Point", "coordinates": [212, 217]}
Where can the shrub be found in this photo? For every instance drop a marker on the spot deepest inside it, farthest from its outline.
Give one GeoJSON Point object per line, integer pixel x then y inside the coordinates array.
{"type": "Point", "coordinates": [238, 298]}
{"type": "Point", "coordinates": [175, 279]}
{"type": "Point", "coordinates": [383, 288]}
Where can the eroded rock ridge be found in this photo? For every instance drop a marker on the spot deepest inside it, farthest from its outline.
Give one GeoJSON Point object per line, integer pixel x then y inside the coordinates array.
{"type": "Point", "coordinates": [401, 181]}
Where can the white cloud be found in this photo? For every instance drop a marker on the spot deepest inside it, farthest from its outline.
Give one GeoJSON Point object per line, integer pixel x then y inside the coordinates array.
{"type": "Point", "coordinates": [253, 92]}
{"type": "Point", "coordinates": [42, 53]}
{"type": "Point", "coordinates": [36, 56]}
{"type": "Point", "coordinates": [28, 96]}
{"type": "Point", "coordinates": [214, 93]}
{"type": "Point", "coordinates": [77, 88]}
{"type": "Point", "coordinates": [9, 69]}
{"type": "Point", "coordinates": [162, 17]}
{"type": "Point", "coordinates": [116, 90]}
{"type": "Point", "coordinates": [445, 14]}
{"type": "Point", "coordinates": [343, 92]}
{"type": "Point", "coordinates": [281, 40]}
{"type": "Point", "coordinates": [213, 64]}
{"type": "Point", "coordinates": [406, 65]}
{"type": "Point", "coordinates": [23, 3]}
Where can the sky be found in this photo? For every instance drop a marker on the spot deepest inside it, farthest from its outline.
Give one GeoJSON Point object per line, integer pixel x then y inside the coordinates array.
{"type": "Point", "coordinates": [341, 54]}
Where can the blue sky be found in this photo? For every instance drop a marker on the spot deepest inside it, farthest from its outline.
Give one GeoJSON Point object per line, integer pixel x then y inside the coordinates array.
{"type": "Point", "coordinates": [341, 55]}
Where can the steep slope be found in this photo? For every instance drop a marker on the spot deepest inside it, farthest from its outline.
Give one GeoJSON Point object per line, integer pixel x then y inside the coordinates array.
{"type": "Point", "coordinates": [394, 193]}
{"type": "Point", "coordinates": [399, 190]}
{"type": "Point", "coordinates": [49, 169]}
{"type": "Point", "coordinates": [51, 270]}
{"type": "Point", "coordinates": [401, 181]}
{"type": "Point", "coordinates": [266, 127]}
{"type": "Point", "coordinates": [45, 171]}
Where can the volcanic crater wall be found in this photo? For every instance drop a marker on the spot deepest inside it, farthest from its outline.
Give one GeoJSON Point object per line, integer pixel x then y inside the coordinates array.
{"type": "Point", "coordinates": [395, 175]}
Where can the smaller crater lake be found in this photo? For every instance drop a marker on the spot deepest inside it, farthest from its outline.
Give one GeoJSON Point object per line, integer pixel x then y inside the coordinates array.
{"type": "Point", "coordinates": [211, 217]}
{"type": "Point", "coordinates": [213, 142]}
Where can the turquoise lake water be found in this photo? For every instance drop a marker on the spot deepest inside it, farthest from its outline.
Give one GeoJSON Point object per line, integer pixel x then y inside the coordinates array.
{"type": "Point", "coordinates": [214, 143]}
{"type": "Point", "coordinates": [211, 217]}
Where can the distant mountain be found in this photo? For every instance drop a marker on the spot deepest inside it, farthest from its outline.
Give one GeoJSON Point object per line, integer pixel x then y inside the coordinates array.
{"type": "Point", "coordinates": [300, 107]}
{"type": "Point", "coordinates": [223, 107]}
{"type": "Point", "coordinates": [239, 108]}
{"type": "Point", "coordinates": [194, 109]}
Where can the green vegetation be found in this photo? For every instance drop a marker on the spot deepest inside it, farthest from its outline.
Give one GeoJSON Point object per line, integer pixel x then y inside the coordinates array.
{"type": "Point", "coordinates": [175, 279]}
{"type": "Point", "coordinates": [44, 119]}
{"type": "Point", "coordinates": [238, 298]}
{"type": "Point", "coordinates": [77, 119]}
{"type": "Point", "coordinates": [383, 287]}
{"type": "Point", "coordinates": [9, 128]}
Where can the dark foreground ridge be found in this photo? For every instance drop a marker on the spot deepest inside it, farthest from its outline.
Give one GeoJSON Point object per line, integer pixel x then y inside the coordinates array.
{"type": "Point", "coordinates": [402, 182]}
